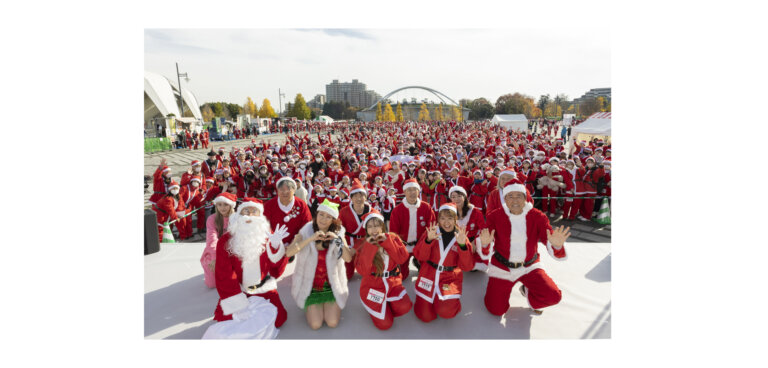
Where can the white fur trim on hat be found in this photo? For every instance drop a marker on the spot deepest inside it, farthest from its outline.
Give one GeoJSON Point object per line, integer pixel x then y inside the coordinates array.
{"type": "Point", "coordinates": [174, 186]}
{"type": "Point", "coordinates": [331, 211]}
{"type": "Point", "coordinates": [448, 207]}
{"type": "Point", "coordinates": [372, 216]}
{"type": "Point", "coordinates": [259, 206]}
{"type": "Point", "coordinates": [411, 185]}
{"type": "Point", "coordinates": [222, 199]}
{"type": "Point", "coordinates": [457, 188]}
{"type": "Point", "coordinates": [167, 169]}
{"type": "Point", "coordinates": [510, 172]}
{"type": "Point", "coordinates": [513, 188]}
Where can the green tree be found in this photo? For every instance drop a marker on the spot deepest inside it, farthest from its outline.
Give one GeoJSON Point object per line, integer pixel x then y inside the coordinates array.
{"type": "Point", "coordinates": [543, 102]}
{"type": "Point", "coordinates": [423, 112]}
{"type": "Point", "coordinates": [389, 115]}
{"type": "Point", "coordinates": [479, 108]}
{"type": "Point", "coordinates": [266, 110]}
{"type": "Point", "coordinates": [378, 111]}
{"type": "Point", "coordinates": [399, 114]}
{"type": "Point", "coordinates": [334, 109]}
{"type": "Point", "coordinates": [233, 110]}
{"type": "Point", "coordinates": [300, 109]}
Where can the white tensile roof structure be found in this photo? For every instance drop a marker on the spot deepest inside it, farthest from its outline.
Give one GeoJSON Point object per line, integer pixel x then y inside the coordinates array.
{"type": "Point", "coordinates": [511, 121]}
{"type": "Point", "coordinates": [598, 123]}
{"type": "Point", "coordinates": [163, 94]}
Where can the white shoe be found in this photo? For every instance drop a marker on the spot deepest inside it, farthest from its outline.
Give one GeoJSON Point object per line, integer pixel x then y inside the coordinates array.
{"type": "Point", "coordinates": [482, 267]}
{"type": "Point", "coordinates": [581, 218]}
{"type": "Point", "coordinates": [524, 291]}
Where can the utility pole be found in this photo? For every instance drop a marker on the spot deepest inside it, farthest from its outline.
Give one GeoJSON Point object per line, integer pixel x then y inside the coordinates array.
{"type": "Point", "coordinates": [280, 96]}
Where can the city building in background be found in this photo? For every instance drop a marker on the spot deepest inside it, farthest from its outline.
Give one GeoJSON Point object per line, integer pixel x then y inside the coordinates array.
{"type": "Point", "coordinates": [354, 93]}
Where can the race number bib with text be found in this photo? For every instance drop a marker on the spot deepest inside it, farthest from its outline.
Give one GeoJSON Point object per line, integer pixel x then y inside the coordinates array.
{"type": "Point", "coordinates": [375, 296]}
{"type": "Point", "coordinates": [425, 284]}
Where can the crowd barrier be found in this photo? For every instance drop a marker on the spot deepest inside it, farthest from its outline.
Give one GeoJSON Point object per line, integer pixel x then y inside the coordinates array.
{"type": "Point", "coordinates": [152, 145]}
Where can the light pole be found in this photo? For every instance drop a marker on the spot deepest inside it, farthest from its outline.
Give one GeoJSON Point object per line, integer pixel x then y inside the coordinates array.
{"type": "Point", "coordinates": [280, 96]}
{"type": "Point", "coordinates": [181, 96]}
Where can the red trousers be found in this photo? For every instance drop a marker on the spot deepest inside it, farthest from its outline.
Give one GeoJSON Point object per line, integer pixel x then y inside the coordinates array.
{"type": "Point", "coordinates": [428, 312]}
{"type": "Point", "coordinates": [272, 296]}
{"type": "Point", "coordinates": [548, 205]}
{"type": "Point", "coordinates": [585, 207]}
{"type": "Point", "coordinates": [396, 308]}
{"type": "Point", "coordinates": [542, 292]}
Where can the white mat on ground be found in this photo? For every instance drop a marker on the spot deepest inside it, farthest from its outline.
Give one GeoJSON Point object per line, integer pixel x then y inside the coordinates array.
{"type": "Point", "coordinates": [178, 305]}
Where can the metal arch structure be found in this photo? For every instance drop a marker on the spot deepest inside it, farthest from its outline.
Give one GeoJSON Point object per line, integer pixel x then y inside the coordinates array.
{"type": "Point", "coordinates": [437, 93]}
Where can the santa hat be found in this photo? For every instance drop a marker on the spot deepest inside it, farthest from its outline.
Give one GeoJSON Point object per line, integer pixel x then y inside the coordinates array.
{"type": "Point", "coordinates": [372, 215]}
{"type": "Point", "coordinates": [345, 191]}
{"type": "Point", "coordinates": [333, 188]}
{"type": "Point", "coordinates": [514, 186]}
{"type": "Point", "coordinates": [251, 202]}
{"type": "Point", "coordinates": [527, 160]}
{"type": "Point", "coordinates": [319, 185]}
{"type": "Point", "coordinates": [607, 162]}
{"type": "Point", "coordinates": [448, 206]}
{"type": "Point", "coordinates": [209, 180]}
{"type": "Point", "coordinates": [589, 158]}
{"type": "Point", "coordinates": [173, 184]}
{"type": "Point", "coordinates": [221, 148]}
{"type": "Point", "coordinates": [478, 172]}
{"type": "Point", "coordinates": [329, 208]}
{"type": "Point", "coordinates": [284, 178]}
{"type": "Point", "coordinates": [196, 178]}
{"type": "Point", "coordinates": [356, 187]}
{"type": "Point", "coordinates": [166, 168]}
{"type": "Point", "coordinates": [554, 159]}
{"type": "Point", "coordinates": [411, 183]}
{"type": "Point", "coordinates": [509, 170]}
{"type": "Point", "coordinates": [195, 163]}
{"type": "Point", "coordinates": [457, 188]}
{"type": "Point", "coordinates": [227, 198]}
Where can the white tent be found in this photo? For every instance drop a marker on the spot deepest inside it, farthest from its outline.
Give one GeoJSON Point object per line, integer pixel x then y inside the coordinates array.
{"type": "Point", "coordinates": [598, 123]}
{"type": "Point", "coordinates": [515, 121]}
{"type": "Point", "coordinates": [324, 118]}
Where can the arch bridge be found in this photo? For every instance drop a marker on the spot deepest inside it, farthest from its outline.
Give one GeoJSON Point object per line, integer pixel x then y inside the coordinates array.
{"type": "Point", "coordinates": [435, 92]}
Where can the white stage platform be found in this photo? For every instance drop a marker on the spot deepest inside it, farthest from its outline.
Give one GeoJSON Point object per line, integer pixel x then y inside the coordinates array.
{"type": "Point", "coordinates": [178, 305]}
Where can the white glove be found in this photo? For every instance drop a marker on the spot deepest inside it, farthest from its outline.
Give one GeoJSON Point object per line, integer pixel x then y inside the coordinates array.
{"type": "Point", "coordinates": [242, 314]}
{"type": "Point", "coordinates": [280, 233]}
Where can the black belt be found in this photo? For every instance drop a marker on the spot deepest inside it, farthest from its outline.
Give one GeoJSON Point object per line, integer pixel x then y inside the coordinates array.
{"type": "Point", "coordinates": [159, 192]}
{"type": "Point", "coordinates": [263, 281]}
{"type": "Point", "coordinates": [509, 264]}
{"type": "Point", "coordinates": [441, 268]}
{"type": "Point", "coordinates": [353, 235]}
{"type": "Point", "coordinates": [395, 272]}
{"type": "Point", "coordinates": [412, 244]}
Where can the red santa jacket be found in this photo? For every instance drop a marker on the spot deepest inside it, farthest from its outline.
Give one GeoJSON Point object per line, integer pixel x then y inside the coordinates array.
{"type": "Point", "coordinates": [477, 194]}
{"type": "Point", "coordinates": [586, 180]}
{"type": "Point", "coordinates": [474, 221]}
{"type": "Point", "coordinates": [446, 284]}
{"type": "Point", "coordinates": [353, 224]}
{"type": "Point", "coordinates": [536, 229]}
{"type": "Point", "coordinates": [375, 291]}
{"type": "Point", "coordinates": [165, 208]}
{"type": "Point", "coordinates": [230, 282]}
{"type": "Point", "coordinates": [159, 188]}
{"type": "Point", "coordinates": [400, 220]}
{"type": "Point", "coordinates": [295, 218]}
{"type": "Point", "coordinates": [463, 181]}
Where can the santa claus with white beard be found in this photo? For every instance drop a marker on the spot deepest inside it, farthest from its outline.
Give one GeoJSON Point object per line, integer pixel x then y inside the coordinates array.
{"type": "Point", "coordinates": [249, 259]}
{"type": "Point", "coordinates": [518, 229]}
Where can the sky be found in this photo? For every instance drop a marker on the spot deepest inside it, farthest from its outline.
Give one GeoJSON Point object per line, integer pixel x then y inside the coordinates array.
{"type": "Point", "coordinates": [232, 64]}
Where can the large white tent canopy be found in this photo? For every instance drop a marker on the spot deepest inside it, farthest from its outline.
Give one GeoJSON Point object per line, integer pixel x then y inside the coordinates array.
{"type": "Point", "coordinates": [598, 123]}
{"type": "Point", "coordinates": [511, 121]}
{"type": "Point", "coordinates": [163, 95]}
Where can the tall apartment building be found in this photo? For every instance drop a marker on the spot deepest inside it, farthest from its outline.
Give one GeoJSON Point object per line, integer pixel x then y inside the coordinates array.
{"type": "Point", "coordinates": [354, 93]}
{"type": "Point", "coordinates": [594, 93]}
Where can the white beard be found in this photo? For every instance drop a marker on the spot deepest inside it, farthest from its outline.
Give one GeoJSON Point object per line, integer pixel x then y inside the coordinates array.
{"type": "Point", "coordinates": [248, 239]}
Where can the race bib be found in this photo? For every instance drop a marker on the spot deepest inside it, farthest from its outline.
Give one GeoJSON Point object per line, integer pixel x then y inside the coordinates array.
{"type": "Point", "coordinates": [425, 284]}
{"type": "Point", "coordinates": [375, 296]}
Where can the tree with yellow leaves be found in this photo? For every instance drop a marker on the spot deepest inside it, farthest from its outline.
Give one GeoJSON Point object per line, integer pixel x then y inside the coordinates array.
{"type": "Point", "coordinates": [207, 113]}
{"type": "Point", "coordinates": [389, 115]}
{"type": "Point", "coordinates": [378, 111]}
{"type": "Point", "coordinates": [266, 110]}
{"type": "Point", "coordinates": [439, 112]}
{"type": "Point", "coordinates": [423, 112]}
{"type": "Point", "coordinates": [399, 115]}
{"type": "Point", "coordinates": [601, 103]}
{"type": "Point", "coordinates": [250, 108]}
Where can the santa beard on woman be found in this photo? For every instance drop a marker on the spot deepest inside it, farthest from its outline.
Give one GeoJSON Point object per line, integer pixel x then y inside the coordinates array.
{"type": "Point", "coordinates": [249, 235]}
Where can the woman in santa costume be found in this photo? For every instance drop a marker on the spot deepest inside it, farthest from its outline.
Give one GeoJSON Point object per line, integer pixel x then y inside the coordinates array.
{"type": "Point", "coordinates": [216, 226]}
{"type": "Point", "coordinates": [166, 209]}
{"type": "Point", "coordinates": [517, 229]}
{"type": "Point", "coordinates": [444, 252]}
{"type": "Point", "coordinates": [378, 261]}
{"type": "Point", "coordinates": [319, 283]}
{"type": "Point", "coordinates": [569, 173]}
{"type": "Point", "coordinates": [439, 190]}
{"type": "Point", "coordinates": [191, 195]}
{"type": "Point", "coordinates": [410, 218]}
{"type": "Point", "coordinates": [160, 181]}
{"type": "Point", "coordinates": [551, 184]}
{"type": "Point", "coordinates": [249, 259]}
{"type": "Point", "coordinates": [472, 219]}
{"type": "Point", "coordinates": [586, 186]}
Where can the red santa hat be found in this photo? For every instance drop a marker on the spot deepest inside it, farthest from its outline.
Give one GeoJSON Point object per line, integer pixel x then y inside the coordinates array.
{"type": "Point", "coordinates": [478, 172]}
{"type": "Point", "coordinates": [209, 180]}
{"type": "Point", "coordinates": [166, 168]}
{"type": "Point", "coordinates": [411, 183]}
{"type": "Point", "coordinates": [514, 185]}
{"type": "Point", "coordinates": [589, 158]}
{"type": "Point", "coordinates": [319, 185]}
{"type": "Point", "coordinates": [606, 162]}
{"type": "Point", "coordinates": [173, 184]}
{"type": "Point", "coordinates": [196, 178]}
{"type": "Point", "coordinates": [448, 206]}
{"type": "Point", "coordinates": [251, 202]}
{"type": "Point", "coordinates": [356, 187]}
{"type": "Point", "coordinates": [372, 215]}
{"type": "Point", "coordinates": [333, 188]}
{"type": "Point", "coordinates": [345, 191]}
{"type": "Point", "coordinates": [227, 198]}
{"type": "Point", "coordinates": [195, 163]}
{"type": "Point", "coordinates": [509, 170]}
{"type": "Point", "coordinates": [457, 188]}
{"type": "Point", "coordinates": [557, 161]}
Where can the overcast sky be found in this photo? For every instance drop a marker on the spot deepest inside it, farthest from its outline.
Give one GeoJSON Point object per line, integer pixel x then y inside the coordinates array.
{"type": "Point", "coordinates": [231, 64]}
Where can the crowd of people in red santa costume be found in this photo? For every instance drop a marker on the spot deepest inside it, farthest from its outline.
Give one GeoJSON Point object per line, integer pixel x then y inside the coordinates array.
{"type": "Point", "coordinates": [447, 197]}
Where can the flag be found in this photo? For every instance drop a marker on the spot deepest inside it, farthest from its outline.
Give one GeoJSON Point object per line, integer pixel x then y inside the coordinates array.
{"type": "Point", "coordinates": [604, 215]}
{"type": "Point", "coordinates": [167, 234]}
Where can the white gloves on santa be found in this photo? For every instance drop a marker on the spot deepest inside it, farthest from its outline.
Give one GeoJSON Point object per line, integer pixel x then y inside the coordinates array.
{"type": "Point", "coordinates": [276, 241]}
